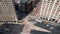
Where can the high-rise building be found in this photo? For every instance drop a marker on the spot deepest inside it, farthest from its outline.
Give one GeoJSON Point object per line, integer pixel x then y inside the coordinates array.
{"type": "Point", "coordinates": [50, 10]}
{"type": "Point", "coordinates": [7, 11]}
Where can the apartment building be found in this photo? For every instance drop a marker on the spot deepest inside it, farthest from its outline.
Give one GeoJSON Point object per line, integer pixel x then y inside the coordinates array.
{"type": "Point", "coordinates": [50, 10]}
{"type": "Point", "coordinates": [7, 11]}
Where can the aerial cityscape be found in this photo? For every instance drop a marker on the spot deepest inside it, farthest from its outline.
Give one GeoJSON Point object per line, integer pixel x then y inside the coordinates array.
{"type": "Point", "coordinates": [29, 16]}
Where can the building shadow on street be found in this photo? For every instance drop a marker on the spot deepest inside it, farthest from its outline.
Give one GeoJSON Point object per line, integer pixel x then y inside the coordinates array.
{"type": "Point", "coordinates": [38, 32]}
{"type": "Point", "coordinates": [10, 28]}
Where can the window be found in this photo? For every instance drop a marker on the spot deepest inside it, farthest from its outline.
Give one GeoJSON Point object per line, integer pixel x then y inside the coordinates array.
{"type": "Point", "coordinates": [43, 18]}
{"type": "Point", "coordinates": [53, 19]}
{"type": "Point", "coordinates": [49, 19]}
{"type": "Point", "coordinates": [59, 6]}
{"type": "Point", "coordinates": [46, 18]}
{"type": "Point", "coordinates": [2, 3]}
{"type": "Point", "coordinates": [52, 0]}
{"type": "Point", "coordinates": [57, 1]}
{"type": "Point", "coordinates": [40, 17]}
{"type": "Point", "coordinates": [44, 1]}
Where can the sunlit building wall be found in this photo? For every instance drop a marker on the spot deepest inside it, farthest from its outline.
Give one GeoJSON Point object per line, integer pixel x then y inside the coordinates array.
{"type": "Point", "coordinates": [7, 11]}
{"type": "Point", "coordinates": [50, 10]}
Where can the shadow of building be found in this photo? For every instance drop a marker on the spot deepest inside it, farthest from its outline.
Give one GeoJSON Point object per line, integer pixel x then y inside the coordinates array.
{"type": "Point", "coordinates": [10, 28]}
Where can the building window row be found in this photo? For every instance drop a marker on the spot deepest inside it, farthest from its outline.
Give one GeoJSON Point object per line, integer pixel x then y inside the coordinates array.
{"type": "Point", "coordinates": [51, 19]}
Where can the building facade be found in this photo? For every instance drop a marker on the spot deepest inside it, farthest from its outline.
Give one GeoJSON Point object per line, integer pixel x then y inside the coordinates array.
{"type": "Point", "coordinates": [7, 11]}
{"type": "Point", "coordinates": [50, 10]}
